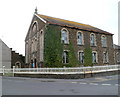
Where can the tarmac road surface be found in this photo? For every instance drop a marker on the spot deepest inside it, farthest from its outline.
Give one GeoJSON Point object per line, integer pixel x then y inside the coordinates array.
{"type": "Point", "coordinates": [37, 86]}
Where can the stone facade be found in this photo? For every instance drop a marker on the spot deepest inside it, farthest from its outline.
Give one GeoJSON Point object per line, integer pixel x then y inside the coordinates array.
{"type": "Point", "coordinates": [34, 42]}
{"type": "Point", "coordinates": [117, 54]}
{"type": "Point", "coordinates": [99, 41]}
{"type": "Point", "coordinates": [17, 60]}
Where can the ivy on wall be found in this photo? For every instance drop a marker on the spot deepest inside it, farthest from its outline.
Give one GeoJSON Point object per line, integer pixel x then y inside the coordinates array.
{"type": "Point", "coordinates": [88, 56]}
{"type": "Point", "coordinates": [73, 60]}
{"type": "Point", "coordinates": [53, 49]}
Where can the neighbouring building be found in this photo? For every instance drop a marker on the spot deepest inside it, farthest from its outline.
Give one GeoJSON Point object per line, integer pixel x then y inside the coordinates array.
{"type": "Point", "coordinates": [17, 60]}
{"type": "Point", "coordinates": [117, 54]}
{"type": "Point", "coordinates": [54, 42]}
{"type": "Point", "coordinates": [5, 55]}
{"type": "Point", "coordinates": [9, 58]}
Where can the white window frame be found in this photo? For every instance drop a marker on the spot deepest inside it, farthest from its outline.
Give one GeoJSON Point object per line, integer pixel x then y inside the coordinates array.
{"type": "Point", "coordinates": [36, 25]}
{"type": "Point", "coordinates": [34, 28]}
{"type": "Point", "coordinates": [93, 42]}
{"type": "Point", "coordinates": [80, 58]}
{"type": "Point", "coordinates": [65, 62]}
{"type": "Point", "coordinates": [95, 57]}
{"type": "Point", "coordinates": [65, 37]}
{"type": "Point", "coordinates": [79, 39]}
{"type": "Point", "coordinates": [117, 57]}
{"type": "Point", "coordinates": [107, 57]}
{"type": "Point", "coordinates": [104, 41]}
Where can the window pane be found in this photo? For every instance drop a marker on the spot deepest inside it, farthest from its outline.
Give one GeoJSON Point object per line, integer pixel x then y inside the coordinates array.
{"type": "Point", "coordinates": [105, 57]}
{"type": "Point", "coordinates": [65, 57]}
{"type": "Point", "coordinates": [94, 57]}
{"type": "Point", "coordinates": [79, 38]}
{"type": "Point", "coordinates": [104, 41]}
{"type": "Point", "coordinates": [64, 36]}
{"type": "Point", "coordinates": [92, 39]}
{"type": "Point", "coordinates": [118, 57]}
{"type": "Point", "coordinates": [81, 57]}
{"type": "Point", "coordinates": [67, 60]}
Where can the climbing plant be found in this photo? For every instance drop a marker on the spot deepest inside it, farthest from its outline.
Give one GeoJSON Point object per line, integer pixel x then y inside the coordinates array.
{"type": "Point", "coordinates": [53, 49]}
{"type": "Point", "coordinates": [88, 56]}
{"type": "Point", "coordinates": [73, 60]}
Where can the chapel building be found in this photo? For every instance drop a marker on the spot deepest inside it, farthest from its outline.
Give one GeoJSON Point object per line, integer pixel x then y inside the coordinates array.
{"type": "Point", "coordinates": [54, 42]}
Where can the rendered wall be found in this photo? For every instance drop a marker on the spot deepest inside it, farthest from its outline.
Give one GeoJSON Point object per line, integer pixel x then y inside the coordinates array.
{"type": "Point", "coordinates": [5, 55]}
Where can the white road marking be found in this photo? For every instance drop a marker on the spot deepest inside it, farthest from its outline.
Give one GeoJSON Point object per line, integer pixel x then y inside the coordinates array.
{"type": "Point", "coordinates": [106, 84]}
{"type": "Point", "coordinates": [83, 83]}
{"type": "Point", "coordinates": [93, 84]}
{"type": "Point", "coordinates": [74, 82]}
{"type": "Point", "coordinates": [116, 84]}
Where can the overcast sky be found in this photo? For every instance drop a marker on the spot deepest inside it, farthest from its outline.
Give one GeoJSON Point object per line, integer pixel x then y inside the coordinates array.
{"type": "Point", "coordinates": [16, 16]}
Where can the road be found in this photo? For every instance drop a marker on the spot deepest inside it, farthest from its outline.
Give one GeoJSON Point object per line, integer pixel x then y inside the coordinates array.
{"type": "Point", "coordinates": [37, 86]}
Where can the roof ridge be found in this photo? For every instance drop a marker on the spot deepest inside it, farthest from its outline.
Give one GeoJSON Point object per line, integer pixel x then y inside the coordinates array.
{"type": "Point", "coordinates": [72, 24]}
{"type": "Point", "coordinates": [65, 20]}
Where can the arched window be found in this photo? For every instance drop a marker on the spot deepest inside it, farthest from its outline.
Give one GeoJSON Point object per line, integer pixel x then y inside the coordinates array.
{"type": "Point", "coordinates": [94, 57]}
{"type": "Point", "coordinates": [32, 46]}
{"type": "Point", "coordinates": [65, 36]}
{"type": "Point", "coordinates": [41, 43]}
{"type": "Point", "coordinates": [79, 38]}
{"type": "Point", "coordinates": [81, 56]}
{"type": "Point", "coordinates": [104, 41]}
{"type": "Point", "coordinates": [35, 44]}
{"type": "Point", "coordinates": [18, 64]}
{"type": "Point", "coordinates": [65, 57]}
{"type": "Point", "coordinates": [92, 39]}
{"type": "Point", "coordinates": [105, 57]}
{"type": "Point", "coordinates": [26, 52]}
{"type": "Point", "coordinates": [118, 57]}
{"type": "Point", "coordinates": [34, 27]}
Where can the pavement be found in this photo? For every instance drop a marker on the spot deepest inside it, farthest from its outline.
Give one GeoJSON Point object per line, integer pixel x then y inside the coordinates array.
{"type": "Point", "coordinates": [107, 85]}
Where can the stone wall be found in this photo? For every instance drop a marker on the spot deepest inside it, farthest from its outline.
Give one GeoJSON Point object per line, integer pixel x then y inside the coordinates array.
{"type": "Point", "coordinates": [86, 36]}
{"type": "Point", "coordinates": [38, 55]}
{"type": "Point", "coordinates": [17, 60]}
{"type": "Point", "coordinates": [68, 76]}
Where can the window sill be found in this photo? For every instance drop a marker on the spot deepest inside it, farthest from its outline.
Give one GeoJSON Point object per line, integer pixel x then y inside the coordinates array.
{"type": "Point", "coordinates": [95, 63]}
{"type": "Point", "coordinates": [66, 43]}
{"type": "Point", "coordinates": [93, 45]}
{"type": "Point", "coordinates": [106, 63]}
{"type": "Point", "coordinates": [104, 47]}
{"type": "Point", "coordinates": [66, 63]}
{"type": "Point", "coordinates": [80, 44]}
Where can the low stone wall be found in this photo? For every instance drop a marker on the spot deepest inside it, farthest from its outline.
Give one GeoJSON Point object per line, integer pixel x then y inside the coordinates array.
{"type": "Point", "coordinates": [68, 76]}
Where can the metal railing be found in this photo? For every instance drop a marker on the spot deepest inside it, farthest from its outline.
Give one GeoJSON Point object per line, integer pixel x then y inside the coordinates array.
{"type": "Point", "coordinates": [65, 70]}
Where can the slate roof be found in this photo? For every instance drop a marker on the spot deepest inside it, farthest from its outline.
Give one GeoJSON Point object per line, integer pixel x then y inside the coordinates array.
{"type": "Point", "coordinates": [71, 24]}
